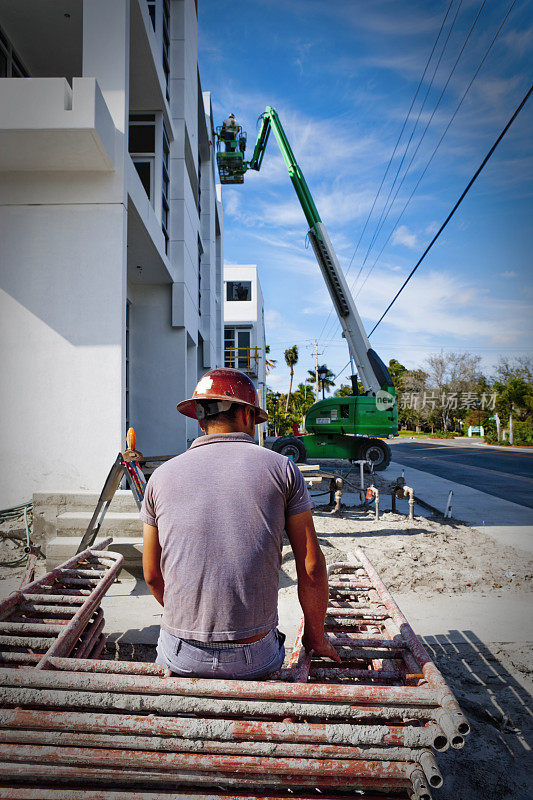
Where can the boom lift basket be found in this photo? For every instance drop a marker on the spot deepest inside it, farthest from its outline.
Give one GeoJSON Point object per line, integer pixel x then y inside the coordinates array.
{"type": "Point", "coordinates": [230, 155]}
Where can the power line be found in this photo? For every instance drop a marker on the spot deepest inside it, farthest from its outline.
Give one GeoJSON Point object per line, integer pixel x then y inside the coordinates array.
{"type": "Point", "coordinates": [395, 149]}
{"type": "Point", "coordinates": [383, 217]}
{"type": "Point", "coordinates": [381, 221]}
{"type": "Point", "coordinates": [456, 206]}
{"type": "Point", "coordinates": [460, 103]}
{"type": "Point", "coordinates": [406, 120]}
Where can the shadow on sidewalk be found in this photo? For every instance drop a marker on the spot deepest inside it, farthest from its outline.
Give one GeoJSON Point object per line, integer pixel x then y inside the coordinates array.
{"type": "Point", "coordinates": [496, 761]}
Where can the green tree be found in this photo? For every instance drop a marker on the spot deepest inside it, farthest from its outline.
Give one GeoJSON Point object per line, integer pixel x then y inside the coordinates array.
{"type": "Point", "coordinates": [291, 359]}
{"type": "Point", "coordinates": [396, 371]}
{"type": "Point", "coordinates": [514, 396]}
{"type": "Point", "coordinates": [343, 391]}
{"type": "Point", "coordinates": [302, 400]}
{"type": "Point", "coordinates": [270, 362]}
{"type": "Point", "coordinates": [346, 391]}
{"type": "Point", "coordinates": [324, 384]}
{"type": "Point", "coordinates": [276, 417]}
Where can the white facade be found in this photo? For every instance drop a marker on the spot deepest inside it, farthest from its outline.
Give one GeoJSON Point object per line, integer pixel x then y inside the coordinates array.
{"type": "Point", "coordinates": [111, 236]}
{"type": "Point", "coordinates": [244, 324]}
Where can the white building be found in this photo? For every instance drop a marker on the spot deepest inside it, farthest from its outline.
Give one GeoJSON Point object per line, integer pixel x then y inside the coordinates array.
{"type": "Point", "coordinates": [244, 324]}
{"type": "Point", "coordinates": [111, 236]}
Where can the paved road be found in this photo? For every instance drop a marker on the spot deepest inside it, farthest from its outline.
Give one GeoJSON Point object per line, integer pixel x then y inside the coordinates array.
{"type": "Point", "coordinates": [502, 473]}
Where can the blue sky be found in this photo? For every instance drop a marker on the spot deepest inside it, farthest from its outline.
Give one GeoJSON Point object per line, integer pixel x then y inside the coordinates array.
{"type": "Point", "coordinates": [342, 76]}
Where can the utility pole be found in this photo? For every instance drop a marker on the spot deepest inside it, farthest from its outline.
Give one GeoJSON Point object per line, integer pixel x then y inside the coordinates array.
{"type": "Point", "coordinates": [316, 369]}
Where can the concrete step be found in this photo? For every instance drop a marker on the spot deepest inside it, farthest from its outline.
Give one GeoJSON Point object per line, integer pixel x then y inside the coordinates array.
{"type": "Point", "coordinates": [115, 524]}
{"type": "Point", "coordinates": [62, 548]}
{"type": "Point", "coordinates": [84, 500]}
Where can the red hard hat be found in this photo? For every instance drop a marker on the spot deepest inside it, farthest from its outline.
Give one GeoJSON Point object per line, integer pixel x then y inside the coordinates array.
{"type": "Point", "coordinates": [224, 383]}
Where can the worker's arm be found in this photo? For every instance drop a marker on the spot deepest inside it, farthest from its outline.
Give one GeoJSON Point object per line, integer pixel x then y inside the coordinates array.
{"type": "Point", "coordinates": [152, 562]}
{"type": "Point", "coordinates": [312, 582]}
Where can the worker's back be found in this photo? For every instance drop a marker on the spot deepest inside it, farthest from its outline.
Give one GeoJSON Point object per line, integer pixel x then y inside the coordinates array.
{"type": "Point", "coordinates": [220, 511]}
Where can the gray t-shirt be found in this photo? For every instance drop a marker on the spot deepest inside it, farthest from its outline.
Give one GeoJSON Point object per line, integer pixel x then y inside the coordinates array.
{"type": "Point", "coordinates": [220, 511]}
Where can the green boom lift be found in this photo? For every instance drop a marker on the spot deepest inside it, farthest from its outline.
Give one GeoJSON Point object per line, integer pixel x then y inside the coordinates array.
{"type": "Point", "coordinates": [350, 427]}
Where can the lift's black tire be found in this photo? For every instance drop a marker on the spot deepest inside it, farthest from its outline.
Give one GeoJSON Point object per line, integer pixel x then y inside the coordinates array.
{"type": "Point", "coordinates": [292, 447]}
{"type": "Point", "coordinates": [377, 451]}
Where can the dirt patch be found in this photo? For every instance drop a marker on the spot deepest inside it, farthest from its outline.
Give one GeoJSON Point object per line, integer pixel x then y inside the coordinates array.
{"type": "Point", "coordinates": [427, 555]}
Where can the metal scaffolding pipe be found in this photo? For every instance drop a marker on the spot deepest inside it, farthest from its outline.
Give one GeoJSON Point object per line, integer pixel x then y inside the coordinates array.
{"type": "Point", "coordinates": [50, 577]}
{"type": "Point", "coordinates": [420, 654]}
{"type": "Point", "coordinates": [230, 730]}
{"type": "Point", "coordinates": [222, 689]}
{"type": "Point", "coordinates": [177, 704]}
{"type": "Point", "coordinates": [27, 793]}
{"type": "Point", "coordinates": [228, 767]}
{"type": "Point", "coordinates": [160, 744]}
{"type": "Point", "coordinates": [121, 777]}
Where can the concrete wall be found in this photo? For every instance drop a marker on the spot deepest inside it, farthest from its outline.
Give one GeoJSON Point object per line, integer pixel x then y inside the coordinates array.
{"type": "Point", "coordinates": [79, 242]}
{"type": "Point", "coordinates": [61, 308]}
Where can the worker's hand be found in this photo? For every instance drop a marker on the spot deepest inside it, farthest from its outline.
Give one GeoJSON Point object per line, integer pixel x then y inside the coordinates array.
{"type": "Point", "coordinates": [321, 647]}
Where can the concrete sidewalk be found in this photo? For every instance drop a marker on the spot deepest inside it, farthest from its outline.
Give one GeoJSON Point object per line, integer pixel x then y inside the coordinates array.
{"type": "Point", "coordinates": [496, 617]}
{"type": "Point", "coordinates": [506, 522]}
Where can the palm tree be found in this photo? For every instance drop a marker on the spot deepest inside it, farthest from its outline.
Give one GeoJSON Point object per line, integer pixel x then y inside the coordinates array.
{"type": "Point", "coordinates": [291, 359]}
{"type": "Point", "coordinates": [270, 362]}
{"type": "Point", "coordinates": [326, 383]}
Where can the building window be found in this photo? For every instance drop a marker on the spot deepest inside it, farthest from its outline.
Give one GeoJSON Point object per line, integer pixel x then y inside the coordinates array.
{"type": "Point", "coordinates": [141, 145]}
{"type": "Point", "coordinates": [151, 11]}
{"type": "Point", "coordinates": [200, 251]}
{"type": "Point", "coordinates": [238, 290]}
{"type": "Point", "coordinates": [238, 351]}
{"type": "Point", "coordinates": [10, 64]}
{"type": "Point", "coordinates": [199, 184]}
{"type": "Point", "coordinates": [165, 198]}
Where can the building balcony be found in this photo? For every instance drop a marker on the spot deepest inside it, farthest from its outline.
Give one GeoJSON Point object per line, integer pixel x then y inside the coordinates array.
{"type": "Point", "coordinates": [246, 359]}
{"type": "Point", "coordinates": [47, 125]}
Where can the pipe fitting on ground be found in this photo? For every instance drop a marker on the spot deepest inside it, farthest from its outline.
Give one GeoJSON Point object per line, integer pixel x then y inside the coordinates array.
{"type": "Point", "coordinates": [401, 491]}
{"type": "Point", "coordinates": [373, 491]}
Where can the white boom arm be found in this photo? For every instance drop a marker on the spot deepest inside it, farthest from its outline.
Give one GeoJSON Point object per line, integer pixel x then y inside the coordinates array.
{"type": "Point", "coordinates": [372, 371]}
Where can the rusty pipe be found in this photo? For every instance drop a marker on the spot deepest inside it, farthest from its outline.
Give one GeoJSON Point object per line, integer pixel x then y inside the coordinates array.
{"type": "Point", "coordinates": [67, 638]}
{"type": "Point", "coordinates": [231, 730]}
{"type": "Point", "coordinates": [420, 654]}
{"type": "Point", "coordinates": [228, 767]}
{"type": "Point", "coordinates": [175, 704]}
{"type": "Point", "coordinates": [222, 689]}
{"type": "Point", "coordinates": [160, 744]}
{"type": "Point", "coordinates": [48, 578]}
{"type": "Point", "coordinates": [103, 793]}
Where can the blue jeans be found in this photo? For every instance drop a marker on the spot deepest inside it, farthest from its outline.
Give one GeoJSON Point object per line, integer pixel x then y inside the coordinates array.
{"type": "Point", "coordinates": [227, 660]}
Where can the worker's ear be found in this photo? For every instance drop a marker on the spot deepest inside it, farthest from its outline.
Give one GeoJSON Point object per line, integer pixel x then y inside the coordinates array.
{"type": "Point", "coordinates": [248, 414]}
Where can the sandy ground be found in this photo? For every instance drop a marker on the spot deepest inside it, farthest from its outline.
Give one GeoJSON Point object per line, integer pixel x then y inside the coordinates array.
{"type": "Point", "coordinates": [442, 564]}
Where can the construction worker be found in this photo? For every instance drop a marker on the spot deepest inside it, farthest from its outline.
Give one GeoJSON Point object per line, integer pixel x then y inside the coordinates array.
{"type": "Point", "coordinates": [214, 519]}
{"type": "Point", "coordinates": [228, 134]}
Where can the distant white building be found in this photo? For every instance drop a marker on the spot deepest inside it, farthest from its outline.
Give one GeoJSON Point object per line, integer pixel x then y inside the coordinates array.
{"type": "Point", "coordinates": [244, 324]}
{"type": "Point", "coordinates": [111, 236]}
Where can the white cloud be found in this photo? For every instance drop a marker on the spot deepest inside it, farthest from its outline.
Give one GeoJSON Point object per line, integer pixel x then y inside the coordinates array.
{"type": "Point", "coordinates": [508, 274]}
{"type": "Point", "coordinates": [446, 308]}
{"type": "Point", "coordinates": [402, 235]}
